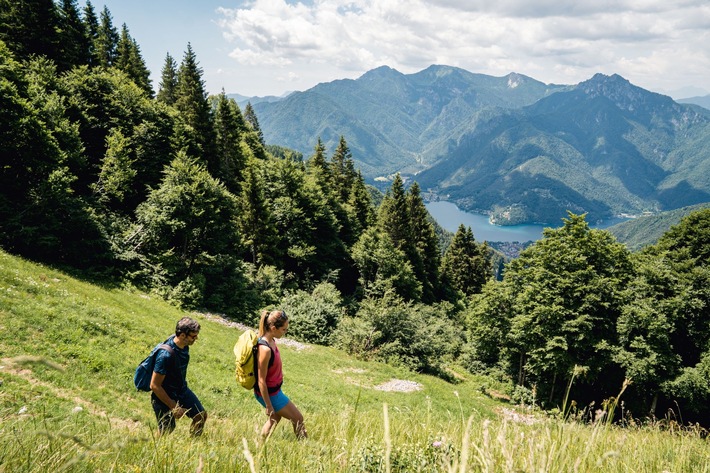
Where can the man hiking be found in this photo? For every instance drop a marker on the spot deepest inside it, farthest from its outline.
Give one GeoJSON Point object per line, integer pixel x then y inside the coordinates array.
{"type": "Point", "coordinates": [170, 397]}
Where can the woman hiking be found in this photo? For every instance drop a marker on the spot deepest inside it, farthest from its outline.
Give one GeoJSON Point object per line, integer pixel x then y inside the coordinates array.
{"type": "Point", "coordinates": [267, 390]}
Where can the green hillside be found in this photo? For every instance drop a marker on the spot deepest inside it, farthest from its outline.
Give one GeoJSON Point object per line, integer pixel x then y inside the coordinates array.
{"type": "Point", "coordinates": [644, 231]}
{"type": "Point", "coordinates": [68, 350]}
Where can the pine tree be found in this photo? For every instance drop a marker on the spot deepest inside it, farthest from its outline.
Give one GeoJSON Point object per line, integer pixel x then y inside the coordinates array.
{"type": "Point", "coordinates": [74, 43]}
{"type": "Point", "coordinates": [426, 244]}
{"type": "Point", "coordinates": [191, 101]}
{"type": "Point", "coordinates": [393, 216]}
{"type": "Point", "coordinates": [343, 169]}
{"type": "Point", "coordinates": [465, 266]}
{"type": "Point", "coordinates": [318, 163]}
{"type": "Point", "coordinates": [229, 160]}
{"type": "Point", "coordinates": [250, 118]}
{"type": "Point", "coordinates": [30, 27]}
{"type": "Point", "coordinates": [362, 213]}
{"type": "Point", "coordinates": [129, 60]}
{"type": "Point", "coordinates": [168, 81]}
{"type": "Point", "coordinates": [91, 30]}
{"type": "Point", "coordinates": [255, 221]}
{"type": "Point", "coordinates": [106, 40]}
{"type": "Point", "coordinates": [394, 219]}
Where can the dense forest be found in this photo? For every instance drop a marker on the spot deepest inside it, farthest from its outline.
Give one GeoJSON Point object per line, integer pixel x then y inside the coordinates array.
{"type": "Point", "coordinates": [177, 194]}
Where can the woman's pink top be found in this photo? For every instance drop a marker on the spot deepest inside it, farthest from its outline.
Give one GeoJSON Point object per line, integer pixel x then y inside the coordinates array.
{"type": "Point", "coordinates": [275, 375]}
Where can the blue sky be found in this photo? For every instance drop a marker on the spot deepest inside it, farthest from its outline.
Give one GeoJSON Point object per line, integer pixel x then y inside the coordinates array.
{"type": "Point", "coordinates": [270, 47]}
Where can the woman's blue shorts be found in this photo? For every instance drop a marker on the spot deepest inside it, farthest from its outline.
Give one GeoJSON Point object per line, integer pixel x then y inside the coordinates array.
{"type": "Point", "coordinates": [278, 400]}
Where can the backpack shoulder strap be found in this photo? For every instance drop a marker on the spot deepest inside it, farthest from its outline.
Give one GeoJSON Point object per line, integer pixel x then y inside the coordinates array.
{"type": "Point", "coordinates": [261, 341]}
{"type": "Point", "coordinates": [171, 355]}
{"type": "Point", "coordinates": [166, 347]}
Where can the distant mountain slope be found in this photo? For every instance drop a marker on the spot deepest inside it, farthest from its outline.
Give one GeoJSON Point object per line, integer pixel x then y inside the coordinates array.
{"type": "Point", "coordinates": [603, 147]}
{"type": "Point", "coordinates": [393, 121]}
{"type": "Point", "coordinates": [512, 147]}
{"type": "Point", "coordinates": [703, 101]}
{"type": "Point", "coordinates": [644, 231]}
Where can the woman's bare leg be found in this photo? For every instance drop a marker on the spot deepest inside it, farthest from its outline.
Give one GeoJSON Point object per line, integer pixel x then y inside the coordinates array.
{"type": "Point", "coordinates": [291, 412]}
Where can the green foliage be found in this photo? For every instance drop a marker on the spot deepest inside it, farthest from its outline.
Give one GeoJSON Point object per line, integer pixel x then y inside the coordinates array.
{"type": "Point", "coordinates": [383, 268]}
{"type": "Point", "coordinates": [186, 236]}
{"type": "Point", "coordinates": [253, 123]}
{"type": "Point", "coordinates": [488, 319]}
{"type": "Point", "coordinates": [106, 41]}
{"type": "Point", "coordinates": [229, 160]}
{"type": "Point", "coordinates": [74, 41]}
{"type": "Point", "coordinates": [426, 245]}
{"type": "Point", "coordinates": [191, 101]}
{"type": "Point", "coordinates": [664, 333]}
{"type": "Point", "coordinates": [30, 28]}
{"type": "Point", "coordinates": [168, 81]}
{"type": "Point", "coordinates": [465, 266]}
{"type": "Point", "coordinates": [419, 337]}
{"type": "Point", "coordinates": [314, 316]}
{"type": "Point", "coordinates": [567, 296]}
{"type": "Point", "coordinates": [129, 60]}
{"type": "Point", "coordinates": [42, 214]}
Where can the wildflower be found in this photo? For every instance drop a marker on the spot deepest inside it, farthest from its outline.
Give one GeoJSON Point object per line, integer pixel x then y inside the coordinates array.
{"type": "Point", "coordinates": [436, 444]}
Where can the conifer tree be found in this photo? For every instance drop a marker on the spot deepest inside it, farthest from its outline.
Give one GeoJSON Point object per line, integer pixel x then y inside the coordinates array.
{"type": "Point", "coordinates": [426, 244]}
{"type": "Point", "coordinates": [30, 27]}
{"type": "Point", "coordinates": [123, 50]}
{"type": "Point", "coordinates": [394, 219]}
{"type": "Point", "coordinates": [229, 160]}
{"type": "Point", "coordinates": [168, 81]}
{"type": "Point", "coordinates": [129, 60]}
{"type": "Point", "coordinates": [393, 215]}
{"type": "Point", "coordinates": [191, 101]}
{"type": "Point", "coordinates": [343, 169]}
{"type": "Point", "coordinates": [139, 72]}
{"type": "Point", "coordinates": [74, 41]}
{"type": "Point", "coordinates": [250, 118]}
{"type": "Point", "coordinates": [91, 30]}
{"type": "Point", "coordinates": [362, 213]}
{"type": "Point", "coordinates": [255, 221]}
{"type": "Point", "coordinates": [465, 266]}
{"type": "Point", "coordinates": [106, 40]}
{"type": "Point", "coordinates": [318, 161]}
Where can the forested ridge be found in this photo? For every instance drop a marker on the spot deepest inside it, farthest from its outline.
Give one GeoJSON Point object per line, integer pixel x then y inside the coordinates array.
{"type": "Point", "coordinates": [176, 193]}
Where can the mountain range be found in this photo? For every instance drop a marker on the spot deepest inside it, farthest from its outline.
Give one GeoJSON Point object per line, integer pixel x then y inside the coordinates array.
{"type": "Point", "coordinates": [512, 147]}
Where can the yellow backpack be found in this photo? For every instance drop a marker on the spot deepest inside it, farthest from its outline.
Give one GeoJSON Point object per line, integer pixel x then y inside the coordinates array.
{"type": "Point", "coordinates": [244, 351]}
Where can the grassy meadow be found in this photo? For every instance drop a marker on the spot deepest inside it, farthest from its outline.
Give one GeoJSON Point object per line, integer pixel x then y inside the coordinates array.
{"type": "Point", "coordinates": [68, 350]}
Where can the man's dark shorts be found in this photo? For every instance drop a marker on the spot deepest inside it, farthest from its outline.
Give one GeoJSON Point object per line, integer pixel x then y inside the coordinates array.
{"type": "Point", "coordinates": [166, 419]}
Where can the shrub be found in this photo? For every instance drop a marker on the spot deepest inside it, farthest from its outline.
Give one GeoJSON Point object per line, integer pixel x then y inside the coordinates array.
{"type": "Point", "coordinates": [313, 317]}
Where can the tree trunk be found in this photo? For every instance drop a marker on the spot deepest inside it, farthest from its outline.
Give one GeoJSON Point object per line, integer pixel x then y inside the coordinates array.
{"type": "Point", "coordinates": [654, 402]}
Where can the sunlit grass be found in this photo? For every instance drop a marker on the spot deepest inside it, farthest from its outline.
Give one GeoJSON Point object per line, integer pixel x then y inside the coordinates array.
{"type": "Point", "coordinates": [67, 354]}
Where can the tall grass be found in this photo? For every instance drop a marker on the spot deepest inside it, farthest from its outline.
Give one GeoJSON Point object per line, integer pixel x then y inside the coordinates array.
{"type": "Point", "coordinates": [67, 354]}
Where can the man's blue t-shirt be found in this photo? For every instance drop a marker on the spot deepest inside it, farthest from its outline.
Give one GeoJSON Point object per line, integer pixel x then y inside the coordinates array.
{"type": "Point", "coordinates": [174, 367]}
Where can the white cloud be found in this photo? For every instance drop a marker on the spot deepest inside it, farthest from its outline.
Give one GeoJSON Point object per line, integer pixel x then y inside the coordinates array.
{"type": "Point", "coordinates": [653, 43]}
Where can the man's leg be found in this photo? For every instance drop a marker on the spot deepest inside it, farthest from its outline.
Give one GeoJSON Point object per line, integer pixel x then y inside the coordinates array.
{"type": "Point", "coordinates": [195, 411]}
{"type": "Point", "coordinates": [165, 417]}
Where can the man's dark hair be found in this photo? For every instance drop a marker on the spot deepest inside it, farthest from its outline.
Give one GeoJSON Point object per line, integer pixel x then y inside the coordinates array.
{"type": "Point", "coordinates": [187, 326]}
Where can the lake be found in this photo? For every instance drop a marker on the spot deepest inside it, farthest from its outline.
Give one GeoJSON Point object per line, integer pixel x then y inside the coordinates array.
{"type": "Point", "coordinates": [449, 216]}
